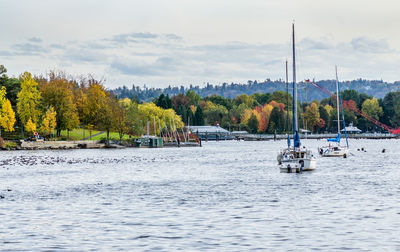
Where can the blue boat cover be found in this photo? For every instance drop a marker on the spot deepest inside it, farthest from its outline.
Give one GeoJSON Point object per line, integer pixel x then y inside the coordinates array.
{"type": "Point", "coordinates": [296, 140]}
{"type": "Point", "coordinates": [336, 140]}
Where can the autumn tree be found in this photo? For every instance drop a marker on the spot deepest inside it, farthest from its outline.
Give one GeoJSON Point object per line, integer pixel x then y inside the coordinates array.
{"type": "Point", "coordinates": [28, 102]}
{"type": "Point", "coordinates": [120, 117]}
{"type": "Point", "coordinates": [7, 116]}
{"type": "Point", "coordinates": [106, 114]}
{"type": "Point", "coordinates": [158, 118]}
{"type": "Point", "coordinates": [30, 126]}
{"type": "Point", "coordinates": [312, 116]}
{"type": "Point", "coordinates": [214, 113]}
{"type": "Point", "coordinates": [249, 101]}
{"type": "Point", "coordinates": [57, 92]}
{"type": "Point", "coordinates": [95, 97]}
{"type": "Point", "coordinates": [49, 121]}
{"type": "Point", "coordinates": [134, 124]}
{"type": "Point", "coordinates": [370, 107]}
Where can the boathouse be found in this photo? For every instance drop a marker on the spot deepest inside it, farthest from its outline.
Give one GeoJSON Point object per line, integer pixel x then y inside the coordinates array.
{"type": "Point", "coordinates": [211, 132]}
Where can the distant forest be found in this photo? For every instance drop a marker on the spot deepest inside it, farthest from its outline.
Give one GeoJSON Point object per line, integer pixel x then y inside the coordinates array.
{"type": "Point", "coordinates": [376, 88]}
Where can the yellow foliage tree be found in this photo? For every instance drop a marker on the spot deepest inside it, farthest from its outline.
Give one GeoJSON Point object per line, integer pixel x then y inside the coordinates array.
{"type": "Point", "coordinates": [328, 109]}
{"type": "Point", "coordinates": [28, 101]}
{"type": "Point", "coordinates": [3, 94]}
{"type": "Point", "coordinates": [49, 121]}
{"type": "Point", "coordinates": [246, 116]}
{"type": "Point", "coordinates": [30, 126]}
{"type": "Point", "coordinates": [193, 108]}
{"type": "Point", "coordinates": [165, 117]}
{"type": "Point", "coordinates": [58, 92]}
{"type": "Point", "coordinates": [7, 116]}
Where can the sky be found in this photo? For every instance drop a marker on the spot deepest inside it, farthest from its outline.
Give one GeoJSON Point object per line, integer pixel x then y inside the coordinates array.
{"type": "Point", "coordinates": [182, 42]}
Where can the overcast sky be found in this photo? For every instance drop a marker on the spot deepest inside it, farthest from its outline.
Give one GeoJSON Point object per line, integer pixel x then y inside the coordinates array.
{"type": "Point", "coordinates": [183, 42]}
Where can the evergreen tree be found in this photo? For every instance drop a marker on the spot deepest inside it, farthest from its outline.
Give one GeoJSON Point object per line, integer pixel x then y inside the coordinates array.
{"type": "Point", "coordinates": [253, 124]}
{"type": "Point", "coordinates": [182, 111]}
{"type": "Point", "coordinates": [198, 117]}
{"type": "Point", "coordinates": [189, 116]}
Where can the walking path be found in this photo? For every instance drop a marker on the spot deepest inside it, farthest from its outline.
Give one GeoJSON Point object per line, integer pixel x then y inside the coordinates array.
{"type": "Point", "coordinates": [87, 138]}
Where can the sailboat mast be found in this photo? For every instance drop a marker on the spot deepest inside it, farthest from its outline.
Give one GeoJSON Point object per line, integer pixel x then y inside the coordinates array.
{"type": "Point", "coordinates": [295, 122]}
{"type": "Point", "coordinates": [341, 108]}
{"type": "Point", "coordinates": [287, 93]}
{"type": "Point", "coordinates": [337, 101]}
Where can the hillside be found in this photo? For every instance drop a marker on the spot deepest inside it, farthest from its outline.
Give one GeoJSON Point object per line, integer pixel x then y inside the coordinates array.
{"type": "Point", "coordinates": [376, 88]}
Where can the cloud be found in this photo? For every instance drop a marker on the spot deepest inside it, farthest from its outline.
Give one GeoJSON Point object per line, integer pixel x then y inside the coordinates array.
{"type": "Point", "coordinates": [133, 37]}
{"type": "Point", "coordinates": [57, 46]}
{"type": "Point", "coordinates": [80, 55]}
{"type": "Point", "coordinates": [312, 44]}
{"type": "Point", "coordinates": [157, 59]}
{"type": "Point", "coordinates": [368, 45]}
{"type": "Point", "coordinates": [173, 36]}
{"type": "Point", "coordinates": [161, 66]}
{"type": "Point", "coordinates": [5, 53]}
{"type": "Point", "coordinates": [29, 49]}
{"type": "Point", "coordinates": [35, 40]}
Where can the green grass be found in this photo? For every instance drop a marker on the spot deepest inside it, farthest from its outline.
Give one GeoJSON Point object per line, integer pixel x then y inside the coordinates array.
{"type": "Point", "coordinates": [77, 134]}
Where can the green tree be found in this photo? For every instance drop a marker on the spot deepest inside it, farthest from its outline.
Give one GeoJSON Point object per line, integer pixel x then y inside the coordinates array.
{"type": "Point", "coordinates": [252, 123]}
{"type": "Point", "coordinates": [163, 101]}
{"type": "Point", "coordinates": [371, 107]}
{"type": "Point", "coordinates": [281, 97]}
{"type": "Point", "coordinates": [121, 119]}
{"type": "Point", "coordinates": [106, 116]}
{"type": "Point", "coordinates": [261, 98]}
{"type": "Point", "coordinates": [194, 98]}
{"type": "Point", "coordinates": [249, 101]}
{"type": "Point", "coordinates": [134, 124]}
{"type": "Point", "coordinates": [350, 94]}
{"type": "Point", "coordinates": [324, 115]}
{"type": "Point", "coordinates": [214, 113]}
{"type": "Point", "coordinates": [217, 99]}
{"type": "Point", "coordinates": [276, 121]}
{"type": "Point", "coordinates": [391, 115]}
{"type": "Point", "coordinates": [198, 116]}
{"type": "Point", "coordinates": [312, 116]}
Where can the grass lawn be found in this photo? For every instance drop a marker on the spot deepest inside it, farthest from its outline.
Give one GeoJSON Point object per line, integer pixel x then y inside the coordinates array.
{"type": "Point", "coordinates": [77, 134]}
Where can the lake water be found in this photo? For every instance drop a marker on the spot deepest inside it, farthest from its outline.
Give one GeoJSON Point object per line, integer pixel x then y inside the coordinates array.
{"type": "Point", "coordinates": [225, 196]}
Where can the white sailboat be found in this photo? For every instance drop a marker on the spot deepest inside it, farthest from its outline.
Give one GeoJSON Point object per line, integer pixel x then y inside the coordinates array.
{"type": "Point", "coordinates": [295, 158]}
{"type": "Point", "coordinates": [336, 150]}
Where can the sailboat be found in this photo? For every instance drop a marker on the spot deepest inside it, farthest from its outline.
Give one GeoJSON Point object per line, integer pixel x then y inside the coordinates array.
{"type": "Point", "coordinates": [336, 150]}
{"type": "Point", "coordinates": [295, 158]}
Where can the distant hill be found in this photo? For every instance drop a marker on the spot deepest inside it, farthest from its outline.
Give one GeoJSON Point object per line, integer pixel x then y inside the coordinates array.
{"type": "Point", "coordinates": [376, 88]}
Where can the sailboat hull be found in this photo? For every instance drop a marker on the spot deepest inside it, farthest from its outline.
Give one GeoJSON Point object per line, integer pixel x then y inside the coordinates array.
{"type": "Point", "coordinates": [297, 160]}
{"type": "Point", "coordinates": [336, 151]}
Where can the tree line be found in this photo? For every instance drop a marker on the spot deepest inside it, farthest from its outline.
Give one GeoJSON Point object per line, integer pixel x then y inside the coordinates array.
{"type": "Point", "coordinates": [272, 112]}
{"type": "Point", "coordinates": [377, 88]}
{"type": "Point", "coordinates": [56, 102]}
